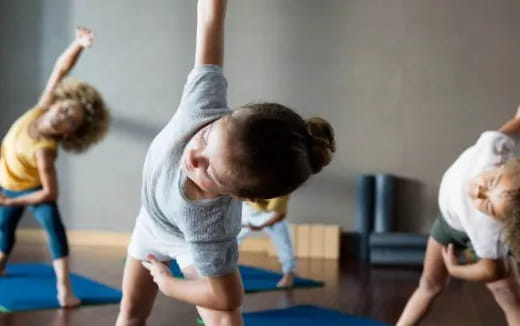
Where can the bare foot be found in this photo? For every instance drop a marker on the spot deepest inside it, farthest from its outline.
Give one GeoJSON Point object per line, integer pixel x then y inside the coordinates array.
{"type": "Point", "coordinates": [68, 300]}
{"type": "Point", "coordinates": [287, 281]}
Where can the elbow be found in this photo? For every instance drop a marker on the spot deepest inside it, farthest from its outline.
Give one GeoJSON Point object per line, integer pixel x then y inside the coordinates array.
{"type": "Point", "coordinates": [228, 298]}
{"type": "Point", "coordinates": [494, 271]}
{"type": "Point", "coordinates": [491, 277]}
{"type": "Point", "coordinates": [49, 196]}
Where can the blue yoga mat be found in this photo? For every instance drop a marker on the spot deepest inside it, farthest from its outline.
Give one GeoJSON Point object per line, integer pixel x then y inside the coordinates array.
{"type": "Point", "coordinates": [306, 316]}
{"type": "Point", "coordinates": [33, 287]}
{"type": "Point", "coordinates": [257, 279]}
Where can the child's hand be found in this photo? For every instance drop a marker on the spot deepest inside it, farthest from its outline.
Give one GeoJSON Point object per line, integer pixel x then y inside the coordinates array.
{"type": "Point", "coordinates": [4, 200]}
{"type": "Point", "coordinates": [161, 273]}
{"type": "Point", "coordinates": [255, 227]}
{"type": "Point", "coordinates": [450, 259]}
{"type": "Point", "coordinates": [84, 36]}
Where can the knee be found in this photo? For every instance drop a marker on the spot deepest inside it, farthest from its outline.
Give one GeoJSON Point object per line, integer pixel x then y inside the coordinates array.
{"type": "Point", "coordinates": [505, 292]}
{"type": "Point", "coordinates": [131, 312]}
{"type": "Point", "coordinates": [52, 222]}
{"type": "Point", "coordinates": [431, 287]}
{"type": "Point", "coordinates": [222, 318]}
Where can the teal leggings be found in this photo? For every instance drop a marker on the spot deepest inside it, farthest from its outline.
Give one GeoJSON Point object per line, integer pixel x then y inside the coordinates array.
{"type": "Point", "coordinates": [46, 214]}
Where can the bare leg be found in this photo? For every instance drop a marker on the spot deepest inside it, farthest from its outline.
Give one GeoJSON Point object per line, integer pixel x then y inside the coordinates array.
{"type": "Point", "coordinates": [139, 292]}
{"type": "Point", "coordinates": [507, 294]}
{"type": "Point", "coordinates": [66, 297]}
{"type": "Point", "coordinates": [433, 280]}
{"type": "Point", "coordinates": [215, 317]}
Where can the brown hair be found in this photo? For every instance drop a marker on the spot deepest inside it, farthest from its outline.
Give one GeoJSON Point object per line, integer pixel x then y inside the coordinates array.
{"type": "Point", "coordinates": [96, 119]}
{"type": "Point", "coordinates": [278, 150]}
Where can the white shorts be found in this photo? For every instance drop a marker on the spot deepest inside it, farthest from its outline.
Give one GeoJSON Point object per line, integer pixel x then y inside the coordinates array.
{"type": "Point", "coordinates": [146, 240]}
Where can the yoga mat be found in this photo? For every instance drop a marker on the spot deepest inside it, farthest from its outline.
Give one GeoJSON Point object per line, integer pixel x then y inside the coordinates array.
{"type": "Point", "coordinates": [33, 287]}
{"type": "Point", "coordinates": [306, 316]}
{"type": "Point", "coordinates": [257, 279]}
{"type": "Point", "coordinates": [364, 216]}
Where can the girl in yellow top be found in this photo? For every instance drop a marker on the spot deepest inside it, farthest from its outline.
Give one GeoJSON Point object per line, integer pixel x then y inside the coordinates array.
{"type": "Point", "coordinates": [71, 114]}
{"type": "Point", "coordinates": [269, 215]}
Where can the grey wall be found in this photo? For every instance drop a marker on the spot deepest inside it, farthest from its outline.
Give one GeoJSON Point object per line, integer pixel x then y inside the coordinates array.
{"type": "Point", "coordinates": [407, 85]}
{"type": "Point", "coordinates": [21, 44]}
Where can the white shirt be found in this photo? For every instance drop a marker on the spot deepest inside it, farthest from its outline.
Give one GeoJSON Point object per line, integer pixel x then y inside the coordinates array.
{"type": "Point", "coordinates": [492, 149]}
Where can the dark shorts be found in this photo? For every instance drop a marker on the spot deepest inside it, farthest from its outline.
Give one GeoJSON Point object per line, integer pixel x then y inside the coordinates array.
{"type": "Point", "coordinates": [445, 234]}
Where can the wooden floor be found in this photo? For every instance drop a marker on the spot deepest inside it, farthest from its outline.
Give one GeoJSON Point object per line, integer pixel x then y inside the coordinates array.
{"type": "Point", "coordinates": [379, 293]}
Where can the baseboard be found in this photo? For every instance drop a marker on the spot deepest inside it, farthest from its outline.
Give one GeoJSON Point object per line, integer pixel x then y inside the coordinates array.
{"type": "Point", "coordinates": [121, 239]}
{"type": "Point", "coordinates": [84, 238]}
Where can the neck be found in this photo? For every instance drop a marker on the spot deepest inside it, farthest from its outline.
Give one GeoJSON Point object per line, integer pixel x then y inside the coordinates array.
{"type": "Point", "coordinates": [41, 129]}
{"type": "Point", "coordinates": [194, 192]}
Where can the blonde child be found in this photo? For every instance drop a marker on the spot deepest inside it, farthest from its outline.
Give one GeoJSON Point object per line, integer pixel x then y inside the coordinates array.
{"type": "Point", "coordinates": [71, 114]}
{"type": "Point", "coordinates": [479, 199]}
{"type": "Point", "coordinates": [269, 215]}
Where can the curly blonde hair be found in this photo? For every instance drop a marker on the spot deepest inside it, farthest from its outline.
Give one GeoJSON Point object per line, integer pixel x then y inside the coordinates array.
{"type": "Point", "coordinates": [512, 228]}
{"type": "Point", "coordinates": [511, 222]}
{"type": "Point", "coordinates": [96, 119]}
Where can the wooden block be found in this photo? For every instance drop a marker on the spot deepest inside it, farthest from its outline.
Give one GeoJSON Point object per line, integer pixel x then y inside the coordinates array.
{"type": "Point", "coordinates": [317, 242]}
{"type": "Point", "coordinates": [332, 242]}
{"type": "Point", "coordinates": [255, 244]}
{"type": "Point", "coordinates": [271, 248]}
{"type": "Point", "coordinates": [292, 231]}
{"type": "Point", "coordinates": [303, 236]}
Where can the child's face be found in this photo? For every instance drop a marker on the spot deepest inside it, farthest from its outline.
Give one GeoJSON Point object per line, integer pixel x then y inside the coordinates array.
{"type": "Point", "coordinates": [208, 156]}
{"type": "Point", "coordinates": [488, 191]}
{"type": "Point", "coordinates": [65, 117]}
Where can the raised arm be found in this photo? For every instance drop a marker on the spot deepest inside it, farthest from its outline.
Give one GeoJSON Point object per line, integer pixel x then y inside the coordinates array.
{"type": "Point", "coordinates": [65, 63]}
{"type": "Point", "coordinates": [211, 16]}
{"type": "Point", "coordinates": [512, 127]}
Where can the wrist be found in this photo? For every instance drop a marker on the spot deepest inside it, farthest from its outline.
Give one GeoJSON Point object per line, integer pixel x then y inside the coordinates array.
{"type": "Point", "coordinates": [456, 271]}
{"type": "Point", "coordinates": [168, 284]}
{"type": "Point", "coordinates": [76, 43]}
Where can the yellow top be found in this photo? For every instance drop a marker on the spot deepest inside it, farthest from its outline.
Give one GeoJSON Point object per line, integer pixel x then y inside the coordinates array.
{"type": "Point", "coordinates": [18, 166]}
{"type": "Point", "coordinates": [278, 204]}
